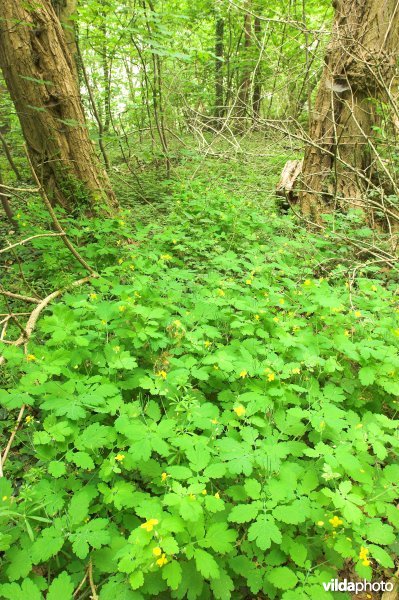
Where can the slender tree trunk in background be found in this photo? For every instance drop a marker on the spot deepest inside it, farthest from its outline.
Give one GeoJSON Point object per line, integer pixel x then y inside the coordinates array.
{"type": "Point", "coordinates": [257, 89]}
{"type": "Point", "coordinates": [219, 51]}
{"type": "Point", "coordinates": [106, 78]}
{"type": "Point", "coordinates": [245, 83]}
{"type": "Point", "coordinates": [40, 75]}
{"type": "Point", "coordinates": [359, 66]}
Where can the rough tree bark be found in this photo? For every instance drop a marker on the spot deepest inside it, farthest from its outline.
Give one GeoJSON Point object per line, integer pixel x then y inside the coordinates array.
{"type": "Point", "coordinates": [359, 66]}
{"type": "Point", "coordinates": [40, 75]}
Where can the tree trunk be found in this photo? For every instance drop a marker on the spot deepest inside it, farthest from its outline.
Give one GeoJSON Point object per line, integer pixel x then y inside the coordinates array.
{"type": "Point", "coordinates": [257, 90]}
{"type": "Point", "coordinates": [219, 50]}
{"type": "Point", "coordinates": [40, 75]}
{"type": "Point", "coordinates": [245, 83]}
{"type": "Point", "coordinates": [359, 67]}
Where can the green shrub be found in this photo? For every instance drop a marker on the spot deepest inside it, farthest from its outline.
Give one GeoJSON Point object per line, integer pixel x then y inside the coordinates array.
{"type": "Point", "coordinates": [210, 419]}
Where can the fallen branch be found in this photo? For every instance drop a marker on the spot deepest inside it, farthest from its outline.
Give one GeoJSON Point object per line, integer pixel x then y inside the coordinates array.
{"type": "Point", "coordinates": [33, 237]}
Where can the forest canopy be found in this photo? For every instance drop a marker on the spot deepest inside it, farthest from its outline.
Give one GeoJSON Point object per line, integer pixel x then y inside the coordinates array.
{"type": "Point", "coordinates": [199, 304]}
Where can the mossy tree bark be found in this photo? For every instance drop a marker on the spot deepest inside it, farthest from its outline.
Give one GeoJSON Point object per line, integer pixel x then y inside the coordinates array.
{"type": "Point", "coordinates": [40, 74]}
{"type": "Point", "coordinates": [359, 66]}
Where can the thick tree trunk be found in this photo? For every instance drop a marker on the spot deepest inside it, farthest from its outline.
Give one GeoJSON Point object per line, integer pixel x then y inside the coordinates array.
{"type": "Point", "coordinates": [359, 65]}
{"type": "Point", "coordinates": [40, 75]}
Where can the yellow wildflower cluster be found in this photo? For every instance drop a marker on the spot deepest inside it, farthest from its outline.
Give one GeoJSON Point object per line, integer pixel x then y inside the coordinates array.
{"type": "Point", "coordinates": [239, 410]}
{"type": "Point", "coordinates": [162, 374]}
{"type": "Point", "coordinates": [28, 419]}
{"type": "Point", "coordinates": [363, 555]}
{"type": "Point", "coordinates": [149, 525]}
{"type": "Point", "coordinates": [335, 521]}
{"type": "Point", "coordinates": [119, 457]}
{"type": "Point", "coordinates": [243, 374]}
{"type": "Point", "coordinates": [30, 357]}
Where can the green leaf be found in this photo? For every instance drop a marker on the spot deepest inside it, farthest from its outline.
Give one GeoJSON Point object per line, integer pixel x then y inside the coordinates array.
{"type": "Point", "coordinates": [172, 573]}
{"type": "Point", "coordinates": [20, 563]}
{"type": "Point", "coordinates": [282, 578]}
{"type": "Point", "coordinates": [264, 531]}
{"type": "Point", "coordinates": [219, 538]}
{"type": "Point", "coordinates": [206, 564]}
{"type": "Point", "coordinates": [136, 580]}
{"type": "Point", "coordinates": [367, 375]}
{"type": "Point", "coordinates": [56, 469]}
{"type": "Point", "coordinates": [242, 513]}
{"type": "Point", "coordinates": [47, 545]}
{"type": "Point", "coordinates": [381, 556]}
{"type": "Point", "coordinates": [27, 590]}
{"type": "Point", "coordinates": [223, 586]}
{"type": "Point", "coordinates": [379, 533]}
{"type": "Point", "coordinates": [253, 488]}
{"type": "Point", "coordinates": [61, 587]}
{"type": "Point", "coordinates": [92, 534]}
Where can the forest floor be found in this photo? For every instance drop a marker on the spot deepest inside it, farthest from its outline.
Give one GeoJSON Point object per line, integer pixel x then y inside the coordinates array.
{"type": "Point", "coordinates": [224, 348]}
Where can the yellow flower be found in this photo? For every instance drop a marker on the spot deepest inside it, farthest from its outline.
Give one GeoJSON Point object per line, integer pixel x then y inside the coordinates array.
{"type": "Point", "coordinates": [366, 563]}
{"type": "Point", "coordinates": [243, 374]}
{"type": "Point", "coordinates": [174, 241]}
{"type": "Point", "coordinates": [166, 257]}
{"type": "Point", "coordinates": [204, 492]}
{"type": "Point", "coordinates": [358, 314]}
{"type": "Point", "coordinates": [374, 288]}
{"type": "Point", "coordinates": [122, 308]}
{"type": "Point", "coordinates": [5, 498]}
{"type": "Point", "coordinates": [239, 410]}
{"type": "Point", "coordinates": [296, 371]}
{"type": "Point", "coordinates": [119, 457]}
{"type": "Point", "coordinates": [282, 301]}
{"type": "Point", "coordinates": [220, 292]}
{"type": "Point", "coordinates": [276, 319]}
{"type": "Point", "coordinates": [28, 419]}
{"type": "Point", "coordinates": [363, 553]}
{"type": "Point", "coordinates": [162, 561]}
{"type": "Point", "coordinates": [248, 281]}
{"type": "Point", "coordinates": [164, 476]}
{"type": "Point", "coordinates": [214, 421]}
{"type": "Point", "coordinates": [346, 333]}
{"type": "Point", "coordinates": [307, 282]}
{"type": "Point", "coordinates": [31, 357]}
{"type": "Point", "coordinates": [192, 496]}
{"type": "Point", "coordinates": [157, 551]}
{"type": "Point", "coordinates": [149, 525]}
{"type": "Point", "coordinates": [207, 343]}
{"type": "Point", "coordinates": [217, 495]}
{"type": "Point", "coordinates": [216, 367]}
{"type": "Point", "coordinates": [335, 521]}
{"type": "Point", "coordinates": [162, 374]}
{"type": "Point", "coordinates": [359, 426]}
{"type": "Point", "coordinates": [120, 261]}
{"type": "Point", "coordinates": [320, 523]}
{"type": "Point", "coordinates": [257, 317]}
{"type": "Point", "coordinates": [93, 296]}
{"type": "Point", "coordinates": [103, 322]}
{"type": "Point", "coordinates": [271, 377]}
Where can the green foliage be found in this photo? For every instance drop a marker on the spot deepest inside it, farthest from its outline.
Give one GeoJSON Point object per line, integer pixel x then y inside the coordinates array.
{"type": "Point", "coordinates": [214, 417]}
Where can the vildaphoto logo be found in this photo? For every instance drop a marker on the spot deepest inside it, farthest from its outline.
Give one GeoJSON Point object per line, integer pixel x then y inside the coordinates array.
{"type": "Point", "coordinates": [345, 585]}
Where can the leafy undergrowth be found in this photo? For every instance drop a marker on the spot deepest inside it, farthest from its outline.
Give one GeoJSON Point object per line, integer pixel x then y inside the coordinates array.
{"type": "Point", "coordinates": [214, 417]}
